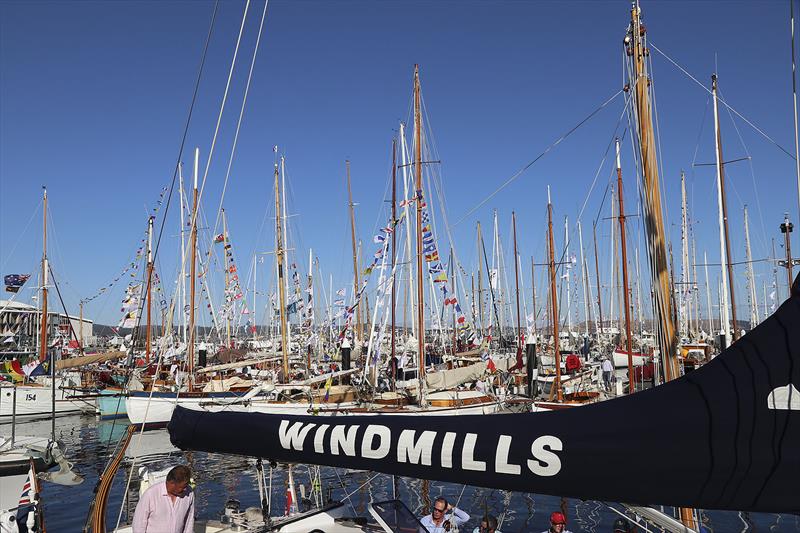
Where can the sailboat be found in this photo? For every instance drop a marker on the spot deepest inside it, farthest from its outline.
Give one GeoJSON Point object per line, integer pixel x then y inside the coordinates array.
{"type": "Point", "coordinates": [45, 392]}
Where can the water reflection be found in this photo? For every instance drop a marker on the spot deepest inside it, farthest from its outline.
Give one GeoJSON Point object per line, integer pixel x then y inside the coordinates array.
{"type": "Point", "coordinates": [90, 443]}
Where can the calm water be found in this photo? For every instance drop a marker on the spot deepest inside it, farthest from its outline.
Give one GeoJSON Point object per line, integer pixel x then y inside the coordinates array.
{"type": "Point", "coordinates": [89, 443]}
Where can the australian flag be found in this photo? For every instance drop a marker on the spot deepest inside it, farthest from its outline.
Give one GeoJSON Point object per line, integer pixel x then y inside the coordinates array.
{"type": "Point", "coordinates": [14, 282]}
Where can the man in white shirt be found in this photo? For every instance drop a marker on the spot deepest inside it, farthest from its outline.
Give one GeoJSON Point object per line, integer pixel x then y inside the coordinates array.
{"type": "Point", "coordinates": [167, 507]}
{"type": "Point", "coordinates": [608, 369]}
{"type": "Point", "coordinates": [440, 521]}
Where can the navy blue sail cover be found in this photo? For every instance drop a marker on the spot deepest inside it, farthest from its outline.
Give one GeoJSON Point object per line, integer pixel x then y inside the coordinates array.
{"type": "Point", "coordinates": [726, 436]}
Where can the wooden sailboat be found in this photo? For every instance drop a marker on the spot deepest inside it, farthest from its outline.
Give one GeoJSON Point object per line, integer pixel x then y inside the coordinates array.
{"type": "Point", "coordinates": [48, 393]}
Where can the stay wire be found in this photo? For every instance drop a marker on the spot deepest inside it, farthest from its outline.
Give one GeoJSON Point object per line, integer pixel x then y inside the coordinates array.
{"type": "Point", "coordinates": [182, 145]}
{"type": "Point", "coordinates": [723, 102]}
{"type": "Point", "coordinates": [538, 157]}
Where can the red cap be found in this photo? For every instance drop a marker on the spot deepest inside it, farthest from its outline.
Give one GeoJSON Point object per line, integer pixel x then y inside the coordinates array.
{"type": "Point", "coordinates": [558, 518]}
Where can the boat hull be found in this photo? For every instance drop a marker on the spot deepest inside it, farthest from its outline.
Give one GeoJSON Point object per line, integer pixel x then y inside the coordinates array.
{"type": "Point", "coordinates": [111, 404]}
{"type": "Point", "coordinates": [36, 401]}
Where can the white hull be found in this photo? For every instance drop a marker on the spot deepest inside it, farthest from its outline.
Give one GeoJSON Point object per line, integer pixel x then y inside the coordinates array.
{"type": "Point", "coordinates": [621, 360]}
{"type": "Point", "coordinates": [158, 410]}
{"type": "Point", "coordinates": [35, 401]}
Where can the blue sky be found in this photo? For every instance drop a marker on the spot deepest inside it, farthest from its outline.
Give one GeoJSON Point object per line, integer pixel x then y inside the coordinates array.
{"type": "Point", "coordinates": [94, 96]}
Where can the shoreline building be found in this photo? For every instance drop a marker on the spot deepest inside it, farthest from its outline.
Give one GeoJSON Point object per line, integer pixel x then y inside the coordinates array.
{"type": "Point", "coordinates": [20, 323]}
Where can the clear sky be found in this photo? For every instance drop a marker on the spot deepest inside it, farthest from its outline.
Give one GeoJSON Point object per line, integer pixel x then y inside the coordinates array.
{"type": "Point", "coordinates": [94, 97]}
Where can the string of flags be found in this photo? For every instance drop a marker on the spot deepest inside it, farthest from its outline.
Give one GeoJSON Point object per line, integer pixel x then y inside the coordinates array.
{"type": "Point", "coordinates": [437, 271]}
{"type": "Point", "coordinates": [140, 251]}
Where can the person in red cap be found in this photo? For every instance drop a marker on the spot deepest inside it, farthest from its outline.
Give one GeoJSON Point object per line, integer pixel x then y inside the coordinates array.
{"type": "Point", "coordinates": [558, 523]}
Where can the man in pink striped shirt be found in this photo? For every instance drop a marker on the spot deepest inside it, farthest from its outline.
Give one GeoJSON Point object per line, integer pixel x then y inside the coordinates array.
{"type": "Point", "coordinates": [167, 507]}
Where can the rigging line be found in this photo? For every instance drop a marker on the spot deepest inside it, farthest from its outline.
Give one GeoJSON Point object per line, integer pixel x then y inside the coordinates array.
{"type": "Point", "coordinates": [22, 234]}
{"type": "Point", "coordinates": [538, 157]}
{"type": "Point", "coordinates": [241, 110]}
{"type": "Point", "coordinates": [723, 102]}
{"type": "Point", "coordinates": [660, 152]}
{"type": "Point", "coordinates": [753, 177]}
{"type": "Point", "coordinates": [60, 299]}
{"type": "Point", "coordinates": [219, 115]}
{"type": "Point", "coordinates": [182, 145]}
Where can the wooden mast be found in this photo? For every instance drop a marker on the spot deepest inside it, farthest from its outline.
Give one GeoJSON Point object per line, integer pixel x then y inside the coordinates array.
{"type": "Point", "coordinates": [480, 277]}
{"type": "Point", "coordinates": [516, 280]}
{"type": "Point", "coordinates": [728, 258]}
{"type": "Point", "coordinates": [626, 296]}
{"type": "Point", "coordinates": [43, 321]}
{"type": "Point", "coordinates": [148, 332]}
{"type": "Point", "coordinates": [357, 332]}
{"type": "Point", "coordinates": [227, 279]}
{"type": "Point", "coordinates": [662, 303]}
{"type": "Point", "coordinates": [192, 272]}
{"type": "Point", "coordinates": [281, 275]}
{"type": "Point", "coordinates": [667, 338]}
{"type": "Point", "coordinates": [394, 243]}
{"type": "Point", "coordinates": [553, 298]}
{"type": "Point", "coordinates": [533, 293]}
{"type": "Point", "coordinates": [419, 197]}
{"type": "Point", "coordinates": [599, 326]}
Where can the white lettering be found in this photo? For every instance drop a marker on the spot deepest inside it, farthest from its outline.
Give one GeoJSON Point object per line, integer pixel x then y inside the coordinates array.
{"type": "Point", "coordinates": [545, 462]}
{"type": "Point", "coordinates": [319, 435]}
{"type": "Point", "coordinates": [447, 449]}
{"type": "Point", "coordinates": [468, 452]}
{"type": "Point", "coordinates": [501, 464]}
{"type": "Point", "coordinates": [384, 435]}
{"type": "Point", "coordinates": [345, 441]}
{"type": "Point", "coordinates": [411, 451]}
{"type": "Point", "coordinates": [294, 436]}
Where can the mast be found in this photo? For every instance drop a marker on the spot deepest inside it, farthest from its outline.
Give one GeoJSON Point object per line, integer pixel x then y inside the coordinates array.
{"type": "Point", "coordinates": [553, 299]}
{"type": "Point", "coordinates": [684, 305]}
{"type": "Point", "coordinates": [667, 339]}
{"type": "Point", "coordinates": [281, 275]}
{"type": "Point", "coordinates": [585, 283]}
{"type": "Point", "coordinates": [80, 328]}
{"type": "Point", "coordinates": [786, 229]}
{"type": "Point", "coordinates": [519, 334]}
{"type": "Point", "coordinates": [794, 100]}
{"type": "Point", "coordinates": [357, 332]}
{"type": "Point", "coordinates": [43, 321]}
{"type": "Point", "coordinates": [567, 267]}
{"type": "Point", "coordinates": [625, 295]}
{"type": "Point", "coordinates": [480, 277]}
{"type": "Point", "coordinates": [406, 179]}
{"type": "Point", "coordinates": [725, 243]}
{"type": "Point", "coordinates": [285, 239]}
{"type": "Point", "coordinates": [639, 310]}
{"type": "Point", "coordinates": [183, 255]}
{"type": "Point", "coordinates": [711, 328]}
{"type": "Point", "coordinates": [695, 289]}
{"type": "Point", "coordinates": [229, 300]}
{"type": "Point", "coordinates": [149, 286]}
{"type": "Point", "coordinates": [255, 291]}
{"type": "Point", "coordinates": [533, 293]}
{"type": "Point", "coordinates": [418, 194]}
{"type": "Point", "coordinates": [192, 272]}
{"type": "Point", "coordinates": [599, 325]}
{"type": "Point", "coordinates": [394, 243]}
{"type": "Point", "coordinates": [751, 281]}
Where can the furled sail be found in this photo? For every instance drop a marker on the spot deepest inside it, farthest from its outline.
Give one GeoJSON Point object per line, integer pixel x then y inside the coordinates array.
{"type": "Point", "coordinates": [726, 436]}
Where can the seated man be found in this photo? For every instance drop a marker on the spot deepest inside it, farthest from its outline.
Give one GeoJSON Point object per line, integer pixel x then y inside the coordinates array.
{"type": "Point", "coordinates": [167, 507]}
{"type": "Point", "coordinates": [439, 521]}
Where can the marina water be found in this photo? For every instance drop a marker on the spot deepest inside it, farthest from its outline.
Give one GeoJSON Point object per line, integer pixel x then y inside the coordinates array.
{"type": "Point", "coordinates": [89, 443]}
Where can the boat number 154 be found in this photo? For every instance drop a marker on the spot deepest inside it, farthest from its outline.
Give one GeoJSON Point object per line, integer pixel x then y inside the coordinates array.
{"type": "Point", "coordinates": [30, 397]}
